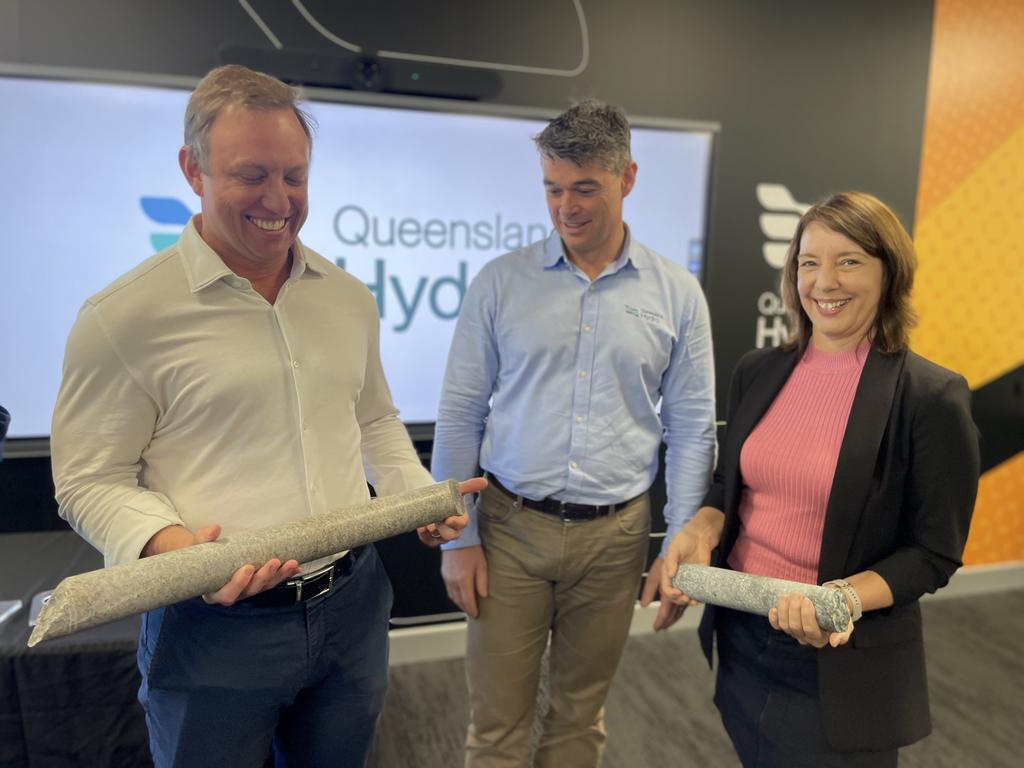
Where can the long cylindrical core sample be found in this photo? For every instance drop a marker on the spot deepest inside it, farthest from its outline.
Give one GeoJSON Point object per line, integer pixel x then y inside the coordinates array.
{"type": "Point", "coordinates": [89, 599]}
{"type": "Point", "coordinates": [759, 594]}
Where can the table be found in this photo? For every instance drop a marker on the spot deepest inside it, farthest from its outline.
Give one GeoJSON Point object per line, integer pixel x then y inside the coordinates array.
{"type": "Point", "coordinates": [69, 701]}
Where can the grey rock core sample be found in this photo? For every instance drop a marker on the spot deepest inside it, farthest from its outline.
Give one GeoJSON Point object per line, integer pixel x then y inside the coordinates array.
{"type": "Point", "coordinates": [93, 598]}
{"type": "Point", "coordinates": [759, 594]}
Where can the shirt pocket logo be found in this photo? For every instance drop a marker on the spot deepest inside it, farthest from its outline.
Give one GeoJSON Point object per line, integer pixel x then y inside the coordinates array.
{"type": "Point", "coordinates": [647, 315]}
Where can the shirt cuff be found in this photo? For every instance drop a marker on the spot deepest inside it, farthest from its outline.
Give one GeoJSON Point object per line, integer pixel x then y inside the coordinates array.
{"type": "Point", "coordinates": [670, 533]}
{"type": "Point", "coordinates": [145, 516]}
{"type": "Point", "coordinates": [470, 535]}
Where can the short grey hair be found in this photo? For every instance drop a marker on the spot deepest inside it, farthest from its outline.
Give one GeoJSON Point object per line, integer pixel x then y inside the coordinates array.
{"type": "Point", "coordinates": [589, 132]}
{"type": "Point", "coordinates": [236, 86]}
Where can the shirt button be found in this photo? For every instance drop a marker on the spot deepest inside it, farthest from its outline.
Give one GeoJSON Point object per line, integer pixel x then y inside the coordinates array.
{"type": "Point", "coordinates": [295, 363]}
{"type": "Point", "coordinates": [579, 419]}
{"type": "Point", "coordinates": [312, 487]}
{"type": "Point", "coordinates": [574, 465]}
{"type": "Point", "coordinates": [586, 328]}
{"type": "Point", "coordinates": [583, 374]}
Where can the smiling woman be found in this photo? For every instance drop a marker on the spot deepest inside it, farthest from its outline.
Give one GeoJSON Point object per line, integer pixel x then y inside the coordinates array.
{"type": "Point", "coordinates": [848, 275]}
{"type": "Point", "coordinates": [848, 462]}
{"type": "Point", "coordinates": [839, 287]}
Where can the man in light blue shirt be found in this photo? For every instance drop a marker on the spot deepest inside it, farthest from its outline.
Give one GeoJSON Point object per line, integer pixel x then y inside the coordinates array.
{"type": "Point", "coordinates": [562, 354]}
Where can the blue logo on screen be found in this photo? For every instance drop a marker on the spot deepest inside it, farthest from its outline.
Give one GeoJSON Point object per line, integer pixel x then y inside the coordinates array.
{"type": "Point", "coordinates": [165, 210]}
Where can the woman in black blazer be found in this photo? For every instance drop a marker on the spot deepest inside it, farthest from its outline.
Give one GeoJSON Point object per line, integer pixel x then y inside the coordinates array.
{"type": "Point", "coordinates": [894, 515]}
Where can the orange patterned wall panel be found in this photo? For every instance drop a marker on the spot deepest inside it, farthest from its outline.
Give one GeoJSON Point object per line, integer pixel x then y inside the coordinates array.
{"type": "Point", "coordinates": [997, 534]}
{"type": "Point", "coordinates": [969, 230]}
{"type": "Point", "coordinates": [975, 91]}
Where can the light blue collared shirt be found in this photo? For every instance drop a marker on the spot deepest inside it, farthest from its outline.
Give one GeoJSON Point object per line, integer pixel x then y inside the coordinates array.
{"type": "Point", "coordinates": [554, 381]}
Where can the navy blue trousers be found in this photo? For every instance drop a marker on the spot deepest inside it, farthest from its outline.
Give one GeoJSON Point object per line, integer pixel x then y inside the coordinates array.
{"type": "Point", "coordinates": [767, 694]}
{"type": "Point", "coordinates": [221, 686]}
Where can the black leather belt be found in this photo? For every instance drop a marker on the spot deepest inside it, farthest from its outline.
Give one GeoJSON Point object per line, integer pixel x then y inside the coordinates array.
{"type": "Point", "coordinates": [304, 588]}
{"type": "Point", "coordinates": [567, 511]}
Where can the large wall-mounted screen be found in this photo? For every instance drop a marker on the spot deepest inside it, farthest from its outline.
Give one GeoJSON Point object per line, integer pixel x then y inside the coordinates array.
{"type": "Point", "coordinates": [411, 201]}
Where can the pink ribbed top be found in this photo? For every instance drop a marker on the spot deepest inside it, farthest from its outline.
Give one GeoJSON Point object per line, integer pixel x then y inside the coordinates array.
{"type": "Point", "coordinates": [788, 462]}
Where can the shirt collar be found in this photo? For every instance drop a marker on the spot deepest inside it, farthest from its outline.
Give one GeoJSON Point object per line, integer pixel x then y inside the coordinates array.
{"type": "Point", "coordinates": [303, 263]}
{"type": "Point", "coordinates": [554, 253]}
{"type": "Point", "coordinates": [204, 267]}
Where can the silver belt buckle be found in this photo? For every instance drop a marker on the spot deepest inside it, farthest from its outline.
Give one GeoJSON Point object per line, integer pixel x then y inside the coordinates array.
{"type": "Point", "coordinates": [316, 574]}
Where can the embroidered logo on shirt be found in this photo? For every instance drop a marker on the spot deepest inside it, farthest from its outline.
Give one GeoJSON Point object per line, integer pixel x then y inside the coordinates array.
{"type": "Point", "coordinates": [647, 315]}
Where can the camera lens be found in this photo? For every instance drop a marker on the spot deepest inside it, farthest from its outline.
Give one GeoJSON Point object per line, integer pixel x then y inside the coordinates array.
{"type": "Point", "coordinates": [368, 74]}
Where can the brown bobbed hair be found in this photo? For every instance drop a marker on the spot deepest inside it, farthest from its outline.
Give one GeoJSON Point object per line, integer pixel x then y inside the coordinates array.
{"type": "Point", "coordinates": [873, 226]}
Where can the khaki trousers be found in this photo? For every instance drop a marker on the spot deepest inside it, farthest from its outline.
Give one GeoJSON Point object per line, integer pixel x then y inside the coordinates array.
{"type": "Point", "coordinates": [576, 582]}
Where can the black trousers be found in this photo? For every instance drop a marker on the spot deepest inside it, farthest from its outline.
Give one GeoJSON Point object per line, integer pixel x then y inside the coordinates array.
{"type": "Point", "coordinates": [767, 694]}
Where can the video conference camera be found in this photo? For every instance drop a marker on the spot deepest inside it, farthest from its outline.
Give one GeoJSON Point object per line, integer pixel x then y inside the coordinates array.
{"type": "Point", "coordinates": [366, 73]}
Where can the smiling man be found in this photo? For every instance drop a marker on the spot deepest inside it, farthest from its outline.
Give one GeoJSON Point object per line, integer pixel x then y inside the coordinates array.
{"type": "Point", "coordinates": [572, 359]}
{"type": "Point", "coordinates": [230, 382]}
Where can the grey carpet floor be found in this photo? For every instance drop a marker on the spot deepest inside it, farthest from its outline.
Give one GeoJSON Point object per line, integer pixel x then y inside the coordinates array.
{"type": "Point", "coordinates": [659, 711]}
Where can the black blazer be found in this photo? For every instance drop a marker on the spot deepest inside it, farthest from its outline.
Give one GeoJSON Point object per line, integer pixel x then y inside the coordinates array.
{"type": "Point", "coordinates": [900, 505]}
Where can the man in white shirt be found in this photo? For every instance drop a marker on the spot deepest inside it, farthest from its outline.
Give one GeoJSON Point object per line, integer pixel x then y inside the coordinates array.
{"type": "Point", "coordinates": [233, 381]}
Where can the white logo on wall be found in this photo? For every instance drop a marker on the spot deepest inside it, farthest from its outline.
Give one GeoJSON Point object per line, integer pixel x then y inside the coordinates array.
{"type": "Point", "coordinates": [778, 222]}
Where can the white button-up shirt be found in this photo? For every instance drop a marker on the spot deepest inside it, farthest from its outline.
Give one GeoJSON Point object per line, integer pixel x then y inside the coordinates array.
{"type": "Point", "coordinates": [187, 399]}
